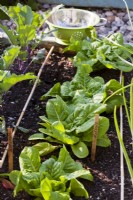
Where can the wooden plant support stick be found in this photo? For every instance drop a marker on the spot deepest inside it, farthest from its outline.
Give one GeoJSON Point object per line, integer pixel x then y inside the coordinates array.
{"type": "Point", "coordinates": [10, 149]}
{"type": "Point", "coordinates": [27, 102]}
{"type": "Point", "coordinates": [32, 91]}
{"type": "Point", "coordinates": [94, 138]}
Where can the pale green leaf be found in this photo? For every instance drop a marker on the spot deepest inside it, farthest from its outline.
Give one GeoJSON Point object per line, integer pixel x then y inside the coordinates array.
{"type": "Point", "coordinates": [45, 148]}
{"type": "Point", "coordinates": [52, 169]}
{"type": "Point", "coordinates": [29, 160]}
{"type": "Point", "coordinates": [77, 188]}
{"type": "Point", "coordinates": [104, 141]}
{"type": "Point", "coordinates": [9, 56]}
{"type": "Point", "coordinates": [79, 174]}
{"type": "Point", "coordinates": [55, 90]}
{"type": "Point", "coordinates": [26, 34]}
{"type": "Point", "coordinates": [12, 37]}
{"type": "Point", "coordinates": [37, 136]}
{"type": "Point", "coordinates": [12, 79]}
{"type": "Point", "coordinates": [80, 149]}
{"type": "Point", "coordinates": [102, 129]}
{"type": "Point", "coordinates": [53, 190]}
{"type": "Point", "coordinates": [69, 165]}
{"type": "Point", "coordinates": [57, 109]}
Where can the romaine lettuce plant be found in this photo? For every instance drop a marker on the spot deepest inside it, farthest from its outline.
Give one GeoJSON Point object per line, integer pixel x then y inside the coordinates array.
{"type": "Point", "coordinates": [55, 178]}
{"type": "Point", "coordinates": [84, 89]}
{"type": "Point", "coordinates": [70, 117]}
{"type": "Point", "coordinates": [110, 52]}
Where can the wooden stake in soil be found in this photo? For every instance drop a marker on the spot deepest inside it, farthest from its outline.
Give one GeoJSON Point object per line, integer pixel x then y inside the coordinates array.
{"type": "Point", "coordinates": [32, 91]}
{"type": "Point", "coordinates": [10, 149]}
{"type": "Point", "coordinates": [94, 138]}
{"type": "Point", "coordinates": [26, 104]}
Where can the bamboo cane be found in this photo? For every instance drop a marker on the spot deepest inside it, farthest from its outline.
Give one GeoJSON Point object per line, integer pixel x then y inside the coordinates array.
{"type": "Point", "coordinates": [27, 102]}
{"type": "Point", "coordinates": [10, 149]}
{"type": "Point", "coordinates": [94, 138]}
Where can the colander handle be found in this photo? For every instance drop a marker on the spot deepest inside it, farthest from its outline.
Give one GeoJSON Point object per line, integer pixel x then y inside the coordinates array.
{"type": "Point", "coordinates": [102, 22]}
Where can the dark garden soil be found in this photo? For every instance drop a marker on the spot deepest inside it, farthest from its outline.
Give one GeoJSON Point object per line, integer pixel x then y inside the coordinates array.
{"type": "Point", "coordinates": [106, 168]}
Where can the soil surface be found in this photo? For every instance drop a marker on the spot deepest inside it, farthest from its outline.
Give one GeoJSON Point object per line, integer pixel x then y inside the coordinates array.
{"type": "Point", "coordinates": [106, 168]}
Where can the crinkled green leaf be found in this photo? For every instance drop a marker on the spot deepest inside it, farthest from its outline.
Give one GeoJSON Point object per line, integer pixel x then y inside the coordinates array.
{"type": "Point", "coordinates": [65, 89]}
{"type": "Point", "coordinates": [26, 34]}
{"type": "Point", "coordinates": [55, 90]}
{"type": "Point", "coordinates": [58, 132]}
{"type": "Point", "coordinates": [22, 15]}
{"type": "Point", "coordinates": [53, 190]}
{"type": "Point", "coordinates": [69, 165]}
{"type": "Point", "coordinates": [52, 169]}
{"type": "Point", "coordinates": [19, 182]}
{"type": "Point", "coordinates": [29, 160]}
{"type": "Point", "coordinates": [57, 109]}
{"type": "Point", "coordinates": [32, 178]}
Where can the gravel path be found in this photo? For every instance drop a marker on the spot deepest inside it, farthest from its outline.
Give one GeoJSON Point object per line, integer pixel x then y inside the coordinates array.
{"type": "Point", "coordinates": [117, 20]}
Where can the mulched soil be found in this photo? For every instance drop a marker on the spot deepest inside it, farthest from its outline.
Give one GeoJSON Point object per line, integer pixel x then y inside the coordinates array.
{"type": "Point", "coordinates": [106, 168]}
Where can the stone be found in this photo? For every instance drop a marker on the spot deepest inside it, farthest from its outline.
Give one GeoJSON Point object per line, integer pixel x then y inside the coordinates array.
{"type": "Point", "coordinates": [121, 14]}
{"type": "Point", "coordinates": [129, 28]}
{"type": "Point", "coordinates": [111, 18]}
{"type": "Point", "coordinates": [108, 13]}
{"type": "Point", "coordinates": [126, 17]}
{"type": "Point", "coordinates": [129, 38]}
{"type": "Point", "coordinates": [114, 28]}
{"type": "Point", "coordinates": [131, 13]}
{"type": "Point", "coordinates": [123, 28]}
{"type": "Point", "coordinates": [46, 6]}
{"type": "Point", "coordinates": [118, 22]}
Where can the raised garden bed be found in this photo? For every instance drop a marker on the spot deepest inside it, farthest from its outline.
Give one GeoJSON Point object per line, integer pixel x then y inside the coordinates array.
{"type": "Point", "coordinates": [60, 69]}
{"type": "Point", "coordinates": [106, 169]}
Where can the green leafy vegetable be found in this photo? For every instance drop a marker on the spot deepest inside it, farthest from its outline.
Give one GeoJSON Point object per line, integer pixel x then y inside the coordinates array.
{"type": "Point", "coordinates": [45, 148]}
{"type": "Point", "coordinates": [52, 179]}
{"type": "Point", "coordinates": [80, 149]}
{"type": "Point", "coordinates": [26, 20]}
{"type": "Point", "coordinates": [8, 57]}
{"type": "Point", "coordinates": [78, 189]}
{"type": "Point", "coordinates": [110, 52]}
{"type": "Point", "coordinates": [8, 80]}
{"type": "Point", "coordinates": [70, 114]}
{"type": "Point", "coordinates": [85, 89]}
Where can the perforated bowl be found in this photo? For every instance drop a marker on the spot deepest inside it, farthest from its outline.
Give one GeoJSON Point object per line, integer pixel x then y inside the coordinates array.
{"type": "Point", "coordinates": [71, 22]}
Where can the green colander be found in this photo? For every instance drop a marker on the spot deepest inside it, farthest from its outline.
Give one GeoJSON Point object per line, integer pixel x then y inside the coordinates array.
{"type": "Point", "coordinates": [69, 22]}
